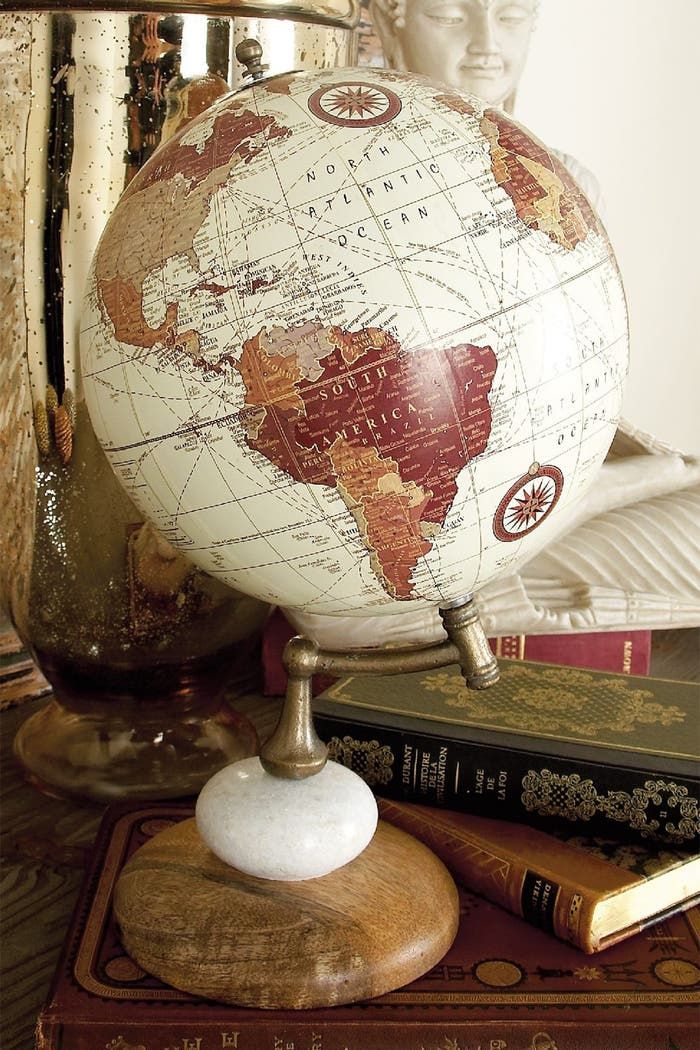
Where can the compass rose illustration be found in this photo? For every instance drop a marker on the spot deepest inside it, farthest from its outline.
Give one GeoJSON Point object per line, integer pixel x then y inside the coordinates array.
{"type": "Point", "coordinates": [528, 502]}
{"type": "Point", "coordinates": [355, 104]}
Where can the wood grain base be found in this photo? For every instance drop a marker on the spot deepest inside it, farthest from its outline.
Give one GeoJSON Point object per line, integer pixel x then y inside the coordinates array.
{"type": "Point", "coordinates": [369, 927]}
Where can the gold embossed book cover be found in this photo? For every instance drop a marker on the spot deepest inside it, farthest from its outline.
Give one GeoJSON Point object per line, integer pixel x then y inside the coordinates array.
{"type": "Point", "coordinates": [611, 754]}
{"type": "Point", "coordinates": [504, 985]}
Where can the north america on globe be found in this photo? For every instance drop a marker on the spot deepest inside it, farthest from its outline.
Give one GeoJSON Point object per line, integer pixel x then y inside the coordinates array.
{"type": "Point", "coordinates": [354, 340]}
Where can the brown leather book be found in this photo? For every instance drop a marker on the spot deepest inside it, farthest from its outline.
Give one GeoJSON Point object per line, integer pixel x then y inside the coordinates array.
{"type": "Point", "coordinates": [502, 986]}
{"type": "Point", "coordinates": [590, 891]}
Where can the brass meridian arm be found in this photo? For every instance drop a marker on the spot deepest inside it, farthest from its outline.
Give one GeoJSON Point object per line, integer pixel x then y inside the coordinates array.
{"type": "Point", "coordinates": [294, 751]}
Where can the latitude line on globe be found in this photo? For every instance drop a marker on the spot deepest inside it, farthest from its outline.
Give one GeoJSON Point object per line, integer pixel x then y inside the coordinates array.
{"type": "Point", "coordinates": [450, 564]}
{"type": "Point", "coordinates": [489, 317]}
{"type": "Point", "coordinates": [240, 499]}
{"type": "Point", "coordinates": [486, 318]}
{"type": "Point", "coordinates": [233, 418]}
{"type": "Point", "coordinates": [480, 320]}
{"type": "Point", "coordinates": [220, 421]}
{"type": "Point", "coordinates": [280, 530]}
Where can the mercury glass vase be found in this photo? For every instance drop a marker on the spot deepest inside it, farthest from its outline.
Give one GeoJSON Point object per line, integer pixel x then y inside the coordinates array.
{"type": "Point", "coordinates": [137, 644]}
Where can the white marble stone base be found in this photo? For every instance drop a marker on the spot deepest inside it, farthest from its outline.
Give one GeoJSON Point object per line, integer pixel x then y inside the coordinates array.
{"type": "Point", "coordinates": [286, 829]}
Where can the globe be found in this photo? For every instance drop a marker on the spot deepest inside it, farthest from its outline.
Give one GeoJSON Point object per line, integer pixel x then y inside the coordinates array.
{"type": "Point", "coordinates": [354, 341]}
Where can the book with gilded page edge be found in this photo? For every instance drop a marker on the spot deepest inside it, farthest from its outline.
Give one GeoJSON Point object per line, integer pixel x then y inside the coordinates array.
{"type": "Point", "coordinates": [610, 753]}
{"type": "Point", "coordinates": [502, 986]}
{"type": "Point", "coordinates": [590, 891]}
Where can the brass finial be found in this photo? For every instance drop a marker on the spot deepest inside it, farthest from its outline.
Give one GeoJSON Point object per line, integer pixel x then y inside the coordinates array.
{"type": "Point", "coordinates": [463, 626]}
{"type": "Point", "coordinates": [294, 751]}
{"type": "Point", "coordinates": [249, 52]}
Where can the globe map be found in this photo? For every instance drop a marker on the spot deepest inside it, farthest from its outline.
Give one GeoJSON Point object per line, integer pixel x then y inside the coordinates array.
{"type": "Point", "coordinates": [354, 341]}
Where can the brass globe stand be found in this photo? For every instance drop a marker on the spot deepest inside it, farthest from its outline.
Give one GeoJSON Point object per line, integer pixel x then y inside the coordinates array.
{"type": "Point", "coordinates": [372, 925]}
{"type": "Point", "coordinates": [294, 750]}
{"type": "Point", "coordinates": [379, 922]}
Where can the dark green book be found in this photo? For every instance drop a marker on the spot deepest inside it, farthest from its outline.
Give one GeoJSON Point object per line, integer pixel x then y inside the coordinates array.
{"type": "Point", "coordinates": [611, 753]}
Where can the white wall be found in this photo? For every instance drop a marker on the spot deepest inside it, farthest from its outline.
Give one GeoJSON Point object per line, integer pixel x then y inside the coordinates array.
{"type": "Point", "coordinates": [616, 83]}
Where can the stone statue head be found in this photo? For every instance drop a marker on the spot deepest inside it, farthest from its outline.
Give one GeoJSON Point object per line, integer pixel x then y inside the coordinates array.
{"type": "Point", "coordinates": [477, 45]}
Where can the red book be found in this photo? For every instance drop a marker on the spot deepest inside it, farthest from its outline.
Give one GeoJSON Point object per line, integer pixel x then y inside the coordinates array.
{"type": "Point", "coordinates": [625, 652]}
{"type": "Point", "coordinates": [504, 985]}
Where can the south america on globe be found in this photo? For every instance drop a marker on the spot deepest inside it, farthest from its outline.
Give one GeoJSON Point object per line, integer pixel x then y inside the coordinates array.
{"type": "Point", "coordinates": [354, 341]}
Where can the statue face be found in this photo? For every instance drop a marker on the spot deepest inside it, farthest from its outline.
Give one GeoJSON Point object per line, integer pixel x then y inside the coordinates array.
{"type": "Point", "coordinates": [477, 45]}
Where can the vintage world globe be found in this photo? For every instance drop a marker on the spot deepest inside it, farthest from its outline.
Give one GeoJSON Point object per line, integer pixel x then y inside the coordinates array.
{"type": "Point", "coordinates": [354, 341]}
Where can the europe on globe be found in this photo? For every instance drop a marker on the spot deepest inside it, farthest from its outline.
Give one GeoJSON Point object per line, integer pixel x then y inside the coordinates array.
{"type": "Point", "coordinates": [354, 341]}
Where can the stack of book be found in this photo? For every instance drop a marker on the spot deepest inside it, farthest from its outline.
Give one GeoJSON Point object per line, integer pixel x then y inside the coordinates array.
{"type": "Point", "coordinates": [565, 794]}
{"type": "Point", "coordinates": [565, 802]}
{"type": "Point", "coordinates": [503, 985]}
{"type": "Point", "coordinates": [568, 796]}
{"type": "Point", "coordinates": [20, 678]}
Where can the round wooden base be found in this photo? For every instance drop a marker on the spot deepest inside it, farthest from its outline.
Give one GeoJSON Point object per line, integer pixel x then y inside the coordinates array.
{"type": "Point", "coordinates": [365, 929]}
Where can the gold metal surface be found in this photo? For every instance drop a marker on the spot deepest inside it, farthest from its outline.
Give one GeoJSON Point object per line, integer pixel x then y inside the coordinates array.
{"type": "Point", "coordinates": [294, 751]}
{"type": "Point", "coordinates": [344, 14]}
{"type": "Point", "coordinates": [463, 626]}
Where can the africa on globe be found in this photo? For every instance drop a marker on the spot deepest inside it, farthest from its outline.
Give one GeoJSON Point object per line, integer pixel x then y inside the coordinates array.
{"type": "Point", "coordinates": [354, 341]}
